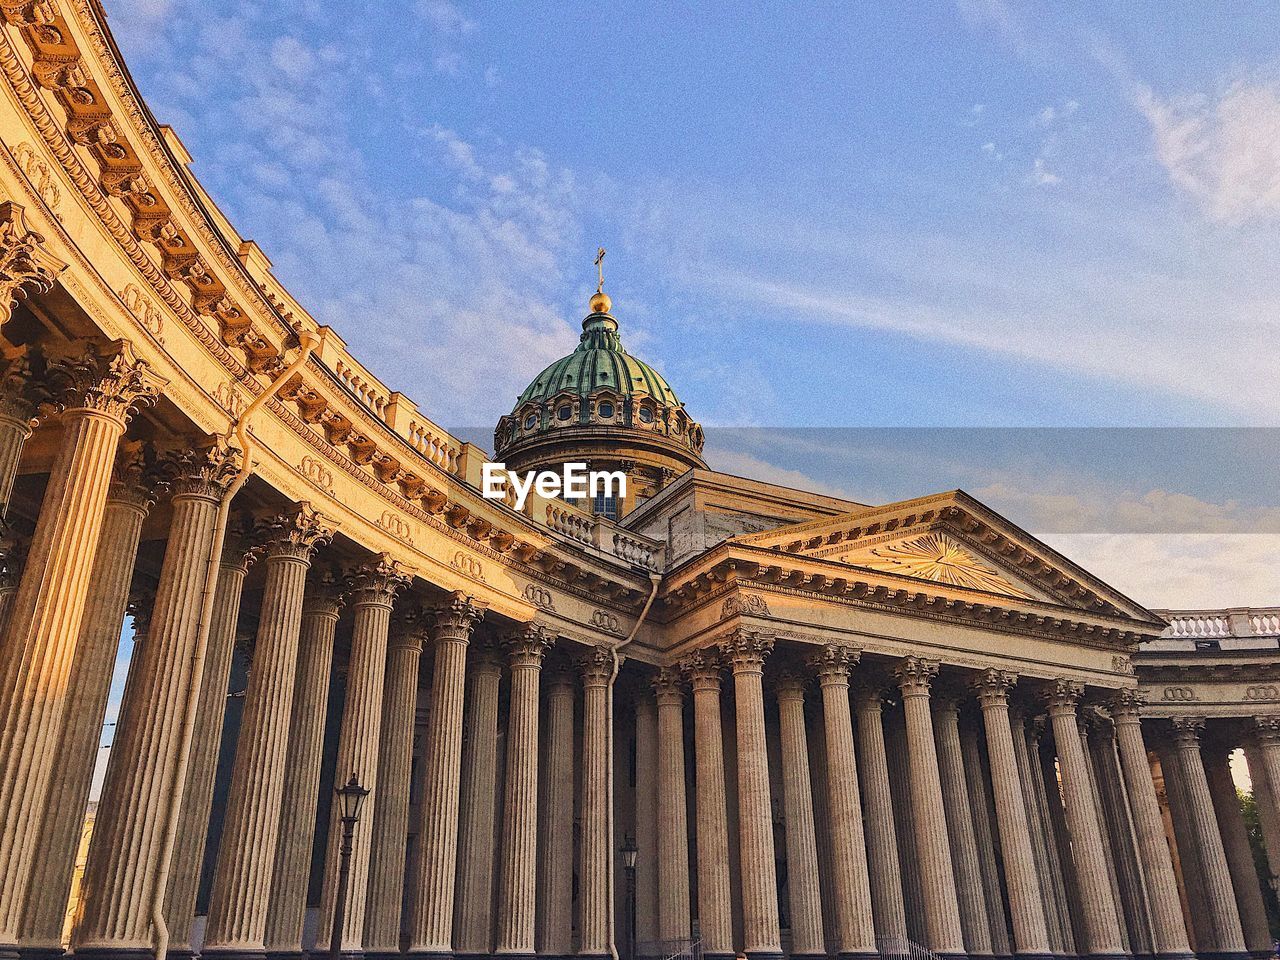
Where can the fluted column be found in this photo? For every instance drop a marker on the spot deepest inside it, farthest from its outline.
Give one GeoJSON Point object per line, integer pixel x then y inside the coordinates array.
{"type": "Point", "coordinates": [984, 827]}
{"type": "Point", "coordinates": [1030, 933]}
{"type": "Point", "coordinates": [959, 818]}
{"type": "Point", "coordinates": [129, 830]}
{"type": "Point", "coordinates": [89, 685]}
{"type": "Point", "coordinates": [1168, 927]}
{"type": "Point", "coordinates": [646, 817]}
{"type": "Point", "coordinates": [13, 556]}
{"type": "Point", "coordinates": [206, 740]}
{"type": "Point", "coordinates": [851, 886]}
{"type": "Point", "coordinates": [1264, 766]}
{"type": "Point", "coordinates": [554, 927]}
{"type": "Point", "coordinates": [473, 913]}
{"type": "Point", "coordinates": [17, 413]}
{"type": "Point", "coordinates": [942, 910]}
{"type": "Point", "coordinates": [802, 845]}
{"type": "Point", "coordinates": [1119, 824]}
{"type": "Point", "coordinates": [1235, 842]}
{"type": "Point", "coordinates": [442, 758]}
{"type": "Point", "coordinates": [596, 861]}
{"type": "Point", "coordinates": [292, 870]}
{"type": "Point", "coordinates": [1223, 915]}
{"type": "Point", "coordinates": [395, 761]}
{"type": "Point", "coordinates": [47, 612]}
{"type": "Point", "coordinates": [1045, 815]}
{"type": "Point", "coordinates": [895, 732]}
{"type": "Point", "coordinates": [372, 590]}
{"type": "Point", "coordinates": [1098, 909]}
{"type": "Point", "coordinates": [246, 855]}
{"type": "Point", "coordinates": [1268, 812]}
{"type": "Point", "coordinates": [746, 650]}
{"type": "Point", "coordinates": [673, 822]}
{"type": "Point", "coordinates": [885, 875]}
{"type": "Point", "coordinates": [519, 877]}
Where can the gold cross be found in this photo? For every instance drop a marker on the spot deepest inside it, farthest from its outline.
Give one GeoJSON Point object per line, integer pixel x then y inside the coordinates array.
{"type": "Point", "coordinates": [599, 261]}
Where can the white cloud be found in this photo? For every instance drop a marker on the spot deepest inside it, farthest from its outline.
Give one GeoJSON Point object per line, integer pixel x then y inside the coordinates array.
{"type": "Point", "coordinates": [1224, 151]}
{"type": "Point", "coordinates": [446, 17]}
{"type": "Point", "coordinates": [449, 63]}
{"type": "Point", "coordinates": [1042, 175]}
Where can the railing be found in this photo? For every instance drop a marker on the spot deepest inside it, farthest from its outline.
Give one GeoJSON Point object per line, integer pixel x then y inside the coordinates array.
{"type": "Point", "coordinates": [1198, 627]}
{"type": "Point", "coordinates": [574, 525]}
{"type": "Point", "coordinates": [633, 551]}
{"type": "Point", "coordinates": [440, 451]}
{"type": "Point", "coordinates": [669, 950]}
{"type": "Point", "coordinates": [899, 948]}
{"type": "Point", "coordinates": [1222, 624]}
{"type": "Point", "coordinates": [1266, 623]}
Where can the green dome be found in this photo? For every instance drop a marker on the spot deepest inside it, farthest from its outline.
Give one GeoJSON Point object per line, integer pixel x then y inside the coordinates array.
{"type": "Point", "coordinates": [599, 363]}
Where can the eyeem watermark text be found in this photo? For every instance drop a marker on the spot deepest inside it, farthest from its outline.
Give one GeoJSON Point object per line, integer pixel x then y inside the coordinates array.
{"type": "Point", "coordinates": [573, 482]}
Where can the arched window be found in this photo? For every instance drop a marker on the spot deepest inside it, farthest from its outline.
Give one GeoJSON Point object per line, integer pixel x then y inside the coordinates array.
{"type": "Point", "coordinates": [605, 409]}
{"type": "Point", "coordinates": [565, 412]}
{"type": "Point", "coordinates": [646, 415]}
{"type": "Point", "coordinates": [531, 421]}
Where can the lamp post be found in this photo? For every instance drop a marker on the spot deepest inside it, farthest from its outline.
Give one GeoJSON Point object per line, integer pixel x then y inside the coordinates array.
{"type": "Point", "coordinates": [350, 797]}
{"type": "Point", "coordinates": [629, 851]}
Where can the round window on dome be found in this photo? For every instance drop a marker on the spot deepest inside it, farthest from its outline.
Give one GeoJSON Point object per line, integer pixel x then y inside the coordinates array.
{"type": "Point", "coordinates": [565, 412]}
{"type": "Point", "coordinates": [605, 410]}
{"type": "Point", "coordinates": [531, 421]}
{"type": "Point", "coordinates": [646, 415]}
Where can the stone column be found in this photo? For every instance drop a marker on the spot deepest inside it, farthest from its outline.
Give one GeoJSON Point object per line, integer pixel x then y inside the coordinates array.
{"type": "Point", "coordinates": [442, 761]}
{"type": "Point", "coordinates": [554, 927]}
{"type": "Point", "coordinates": [17, 416]}
{"type": "Point", "coordinates": [1264, 757]}
{"type": "Point", "coordinates": [47, 612]}
{"type": "Point", "coordinates": [895, 733]}
{"type": "Point", "coordinates": [1268, 812]}
{"type": "Point", "coordinates": [1119, 824]}
{"type": "Point", "coordinates": [89, 684]}
{"type": "Point", "coordinates": [802, 846]}
{"type": "Point", "coordinates": [1220, 901]}
{"type": "Point", "coordinates": [646, 817]}
{"type": "Point", "coordinates": [1046, 816]}
{"type": "Point", "coordinates": [880, 833]}
{"type": "Point", "coordinates": [715, 918]}
{"type": "Point", "coordinates": [13, 556]}
{"type": "Point", "coordinates": [937, 878]}
{"type": "Point", "coordinates": [1098, 909]}
{"type": "Point", "coordinates": [518, 880]}
{"type": "Point", "coordinates": [129, 831]}
{"type": "Point", "coordinates": [1168, 928]}
{"type": "Point", "coordinates": [197, 797]}
{"type": "Point", "coordinates": [1109, 855]}
{"type": "Point", "coordinates": [851, 887]}
{"type": "Point", "coordinates": [1235, 842]}
{"type": "Point", "coordinates": [1180, 830]}
{"type": "Point", "coordinates": [371, 590]}
{"type": "Point", "coordinates": [746, 650]}
{"type": "Point", "coordinates": [292, 870]}
{"type": "Point", "coordinates": [1030, 933]}
{"type": "Point", "coordinates": [596, 862]}
{"type": "Point", "coordinates": [959, 818]}
{"type": "Point", "coordinates": [246, 855]}
{"type": "Point", "coordinates": [976, 777]}
{"type": "Point", "coordinates": [473, 914]}
{"type": "Point", "coordinates": [673, 820]}
{"type": "Point", "coordinates": [395, 761]}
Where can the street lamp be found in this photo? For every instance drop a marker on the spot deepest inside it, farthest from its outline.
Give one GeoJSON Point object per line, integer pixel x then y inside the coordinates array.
{"type": "Point", "coordinates": [350, 797]}
{"type": "Point", "coordinates": [629, 851]}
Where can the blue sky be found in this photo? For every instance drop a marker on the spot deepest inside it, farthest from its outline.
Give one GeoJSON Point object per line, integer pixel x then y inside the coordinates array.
{"type": "Point", "coordinates": [979, 213]}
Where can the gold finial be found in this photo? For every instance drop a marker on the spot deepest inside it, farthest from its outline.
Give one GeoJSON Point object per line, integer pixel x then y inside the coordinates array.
{"type": "Point", "coordinates": [600, 302]}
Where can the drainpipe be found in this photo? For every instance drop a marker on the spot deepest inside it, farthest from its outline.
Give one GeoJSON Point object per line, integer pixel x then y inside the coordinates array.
{"type": "Point", "coordinates": [655, 580]}
{"type": "Point", "coordinates": [307, 342]}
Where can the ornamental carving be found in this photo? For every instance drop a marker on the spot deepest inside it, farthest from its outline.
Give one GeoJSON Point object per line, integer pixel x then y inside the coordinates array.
{"type": "Point", "coordinates": [38, 172]}
{"type": "Point", "coordinates": [606, 621]}
{"type": "Point", "coordinates": [540, 597]}
{"type": "Point", "coordinates": [833, 662]}
{"type": "Point", "coordinates": [1127, 704]}
{"type": "Point", "coordinates": [396, 525]}
{"type": "Point", "coordinates": [317, 473]}
{"type": "Point", "coordinates": [747, 650]}
{"type": "Point", "coordinates": [1178, 695]}
{"type": "Point", "coordinates": [703, 668]}
{"type": "Point", "coordinates": [147, 314]}
{"type": "Point", "coordinates": [133, 480]}
{"type": "Point", "coordinates": [467, 565]}
{"type": "Point", "coordinates": [455, 617]}
{"type": "Point", "coordinates": [1186, 731]}
{"type": "Point", "coordinates": [915, 674]}
{"type": "Point", "coordinates": [295, 533]}
{"type": "Point", "coordinates": [526, 646]}
{"type": "Point", "coordinates": [993, 686]}
{"type": "Point", "coordinates": [744, 603]}
{"type": "Point", "coordinates": [1062, 695]}
{"type": "Point", "coordinates": [668, 685]}
{"type": "Point", "coordinates": [936, 557]}
{"type": "Point", "coordinates": [26, 267]}
{"type": "Point", "coordinates": [204, 469]}
{"type": "Point", "coordinates": [1122, 664]}
{"type": "Point", "coordinates": [1262, 691]}
{"type": "Point", "coordinates": [598, 665]}
{"type": "Point", "coordinates": [108, 378]}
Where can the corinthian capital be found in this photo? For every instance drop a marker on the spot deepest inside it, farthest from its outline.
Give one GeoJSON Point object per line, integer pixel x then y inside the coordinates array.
{"type": "Point", "coordinates": [455, 617]}
{"type": "Point", "coordinates": [833, 663]}
{"type": "Point", "coordinates": [294, 534]}
{"type": "Point", "coordinates": [18, 400]}
{"type": "Point", "coordinates": [597, 665]}
{"type": "Point", "coordinates": [1267, 729]}
{"type": "Point", "coordinates": [992, 687]}
{"type": "Point", "coordinates": [378, 580]}
{"type": "Point", "coordinates": [915, 674]}
{"type": "Point", "coordinates": [26, 266]}
{"type": "Point", "coordinates": [204, 469]}
{"type": "Point", "coordinates": [109, 378]}
{"type": "Point", "coordinates": [747, 650]}
{"type": "Point", "coordinates": [1126, 706]}
{"type": "Point", "coordinates": [134, 479]}
{"type": "Point", "coordinates": [1186, 732]}
{"type": "Point", "coordinates": [1062, 696]}
{"type": "Point", "coordinates": [703, 667]}
{"type": "Point", "coordinates": [527, 645]}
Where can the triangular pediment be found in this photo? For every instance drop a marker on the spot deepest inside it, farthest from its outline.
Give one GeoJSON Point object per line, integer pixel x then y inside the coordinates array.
{"type": "Point", "coordinates": [950, 539]}
{"type": "Point", "coordinates": [939, 557]}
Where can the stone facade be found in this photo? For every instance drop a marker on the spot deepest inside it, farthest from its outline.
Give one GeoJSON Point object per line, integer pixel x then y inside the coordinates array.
{"type": "Point", "coordinates": [830, 729]}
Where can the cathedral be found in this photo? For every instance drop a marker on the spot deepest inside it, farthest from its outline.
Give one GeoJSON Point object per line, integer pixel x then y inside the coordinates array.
{"type": "Point", "coordinates": [371, 712]}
